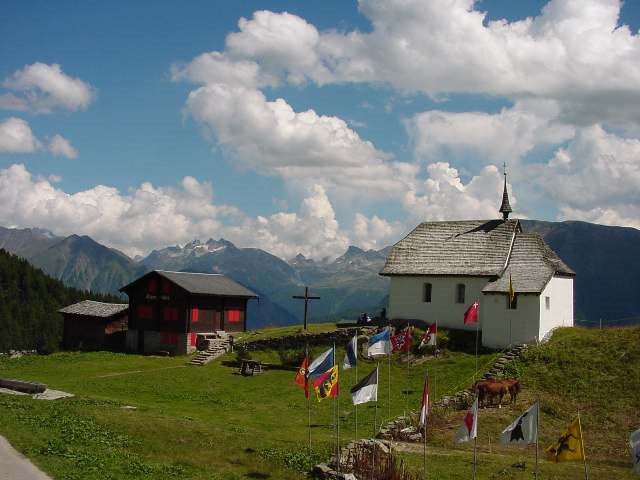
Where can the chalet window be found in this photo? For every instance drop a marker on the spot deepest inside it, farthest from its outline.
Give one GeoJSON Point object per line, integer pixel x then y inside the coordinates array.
{"type": "Point", "coordinates": [195, 315]}
{"type": "Point", "coordinates": [460, 293]}
{"type": "Point", "coordinates": [166, 287]}
{"type": "Point", "coordinates": [169, 338]}
{"type": "Point", "coordinates": [233, 316]}
{"type": "Point", "coordinates": [144, 312]}
{"type": "Point", "coordinates": [170, 314]}
{"type": "Point", "coordinates": [426, 294]}
{"type": "Point", "coordinates": [512, 305]}
{"type": "Point", "coordinates": [152, 286]}
{"type": "Point", "coordinates": [547, 303]}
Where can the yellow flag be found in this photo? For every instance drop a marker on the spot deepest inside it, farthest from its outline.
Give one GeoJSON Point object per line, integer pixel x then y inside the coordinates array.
{"type": "Point", "coordinates": [569, 446]}
{"type": "Point", "coordinates": [512, 294]}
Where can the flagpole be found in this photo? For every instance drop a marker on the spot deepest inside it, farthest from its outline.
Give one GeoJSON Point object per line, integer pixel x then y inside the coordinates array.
{"type": "Point", "coordinates": [406, 397]}
{"type": "Point", "coordinates": [306, 348]}
{"type": "Point", "coordinates": [537, 435]}
{"type": "Point", "coordinates": [335, 412]}
{"type": "Point", "coordinates": [584, 456]}
{"type": "Point", "coordinates": [475, 449]}
{"type": "Point", "coordinates": [357, 361]}
{"type": "Point", "coordinates": [477, 330]}
{"type": "Point", "coordinates": [389, 370]}
{"type": "Point", "coordinates": [424, 434]}
{"type": "Point", "coordinates": [375, 418]}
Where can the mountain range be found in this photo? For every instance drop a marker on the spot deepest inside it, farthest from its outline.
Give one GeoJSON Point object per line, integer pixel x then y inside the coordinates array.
{"type": "Point", "coordinates": [606, 260]}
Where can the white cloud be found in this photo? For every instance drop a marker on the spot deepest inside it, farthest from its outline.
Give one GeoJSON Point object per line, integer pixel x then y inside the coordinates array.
{"type": "Point", "coordinates": [504, 136]}
{"type": "Point", "coordinates": [375, 232]}
{"type": "Point", "coordinates": [16, 137]}
{"type": "Point", "coordinates": [444, 196]}
{"type": "Point", "coordinates": [149, 217]}
{"type": "Point", "coordinates": [273, 139]}
{"type": "Point", "coordinates": [45, 87]}
{"type": "Point", "coordinates": [60, 146]}
{"type": "Point", "coordinates": [596, 177]}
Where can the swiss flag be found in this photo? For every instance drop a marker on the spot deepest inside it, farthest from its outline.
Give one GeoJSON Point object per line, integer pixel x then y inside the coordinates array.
{"type": "Point", "coordinates": [469, 429]}
{"type": "Point", "coordinates": [471, 315]}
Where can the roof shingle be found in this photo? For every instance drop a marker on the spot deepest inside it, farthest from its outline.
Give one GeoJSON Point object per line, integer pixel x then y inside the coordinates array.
{"type": "Point", "coordinates": [92, 308]}
{"type": "Point", "coordinates": [206, 284]}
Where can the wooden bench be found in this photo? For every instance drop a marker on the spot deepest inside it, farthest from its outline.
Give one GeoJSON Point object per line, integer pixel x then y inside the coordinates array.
{"type": "Point", "coordinates": [250, 367]}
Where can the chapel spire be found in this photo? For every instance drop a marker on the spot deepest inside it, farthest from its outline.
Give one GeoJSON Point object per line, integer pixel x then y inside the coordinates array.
{"type": "Point", "coordinates": [505, 208]}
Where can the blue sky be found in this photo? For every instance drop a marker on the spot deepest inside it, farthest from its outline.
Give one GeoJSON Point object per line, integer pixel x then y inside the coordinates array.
{"type": "Point", "coordinates": [440, 90]}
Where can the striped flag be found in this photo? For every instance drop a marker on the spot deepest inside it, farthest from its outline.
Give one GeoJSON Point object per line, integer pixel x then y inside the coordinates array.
{"type": "Point", "coordinates": [321, 364]}
{"type": "Point", "coordinates": [366, 390]}
{"type": "Point", "coordinates": [469, 429]}
{"type": "Point", "coordinates": [424, 409]}
{"type": "Point", "coordinates": [380, 343]}
{"type": "Point", "coordinates": [351, 355]}
{"type": "Point", "coordinates": [429, 337]}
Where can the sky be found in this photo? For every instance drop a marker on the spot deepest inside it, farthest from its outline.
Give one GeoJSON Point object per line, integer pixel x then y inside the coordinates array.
{"type": "Point", "coordinates": [306, 127]}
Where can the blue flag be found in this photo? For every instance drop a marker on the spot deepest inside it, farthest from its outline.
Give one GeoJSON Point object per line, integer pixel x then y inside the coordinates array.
{"type": "Point", "coordinates": [351, 355]}
{"type": "Point", "coordinates": [380, 343]}
{"type": "Point", "coordinates": [321, 364]}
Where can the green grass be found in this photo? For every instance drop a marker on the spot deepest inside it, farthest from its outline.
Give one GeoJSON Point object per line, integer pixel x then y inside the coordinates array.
{"type": "Point", "coordinates": [274, 332]}
{"type": "Point", "coordinates": [208, 422]}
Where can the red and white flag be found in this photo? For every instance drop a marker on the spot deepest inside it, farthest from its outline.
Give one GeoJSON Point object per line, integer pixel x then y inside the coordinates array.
{"type": "Point", "coordinates": [471, 315]}
{"type": "Point", "coordinates": [424, 409]}
{"type": "Point", "coordinates": [469, 429]}
{"type": "Point", "coordinates": [401, 342]}
{"type": "Point", "coordinates": [429, 337]}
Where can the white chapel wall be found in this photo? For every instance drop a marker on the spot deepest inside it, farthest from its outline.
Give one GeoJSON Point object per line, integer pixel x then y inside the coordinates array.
{"type": "Point", "coordinates": [406, 294]}
{"type": "Point", "coordinates": [560, 311]}
{"type": "Point", "coordinates": [503, 327]}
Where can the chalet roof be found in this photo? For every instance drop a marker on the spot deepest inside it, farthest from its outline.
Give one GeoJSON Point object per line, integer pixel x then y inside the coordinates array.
{"type": "Point", "coordinates": [91, 308]}
{"type": "Point", "coordinates": [468, 247]}
{"type": "Point", "coordinates": [204, 284]}
{"type": "Point", "coordinates": [531, 265]}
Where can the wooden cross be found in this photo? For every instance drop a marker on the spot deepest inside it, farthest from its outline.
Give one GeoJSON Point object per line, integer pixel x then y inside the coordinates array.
{"type": "Point", "coordinates": [306, 299]}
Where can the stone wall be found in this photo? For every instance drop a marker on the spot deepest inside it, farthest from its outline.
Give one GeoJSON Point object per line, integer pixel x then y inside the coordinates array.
{"type": "Point", "coordinates": [340, 337]}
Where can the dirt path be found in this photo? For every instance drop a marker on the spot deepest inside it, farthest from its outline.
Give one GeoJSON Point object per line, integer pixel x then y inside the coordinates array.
{"type": "Point", "coordinates": [15, 466]}
{"type": "Point", "coordinates": [131, 372]}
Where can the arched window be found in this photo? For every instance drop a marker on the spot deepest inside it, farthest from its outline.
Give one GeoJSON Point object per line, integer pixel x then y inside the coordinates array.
{"type": "Point", "coordinates": [426, 293]}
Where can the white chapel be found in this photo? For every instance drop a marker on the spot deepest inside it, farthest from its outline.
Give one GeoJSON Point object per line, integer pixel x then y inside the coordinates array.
{"type": "Point", "coordinates": [439, 269]}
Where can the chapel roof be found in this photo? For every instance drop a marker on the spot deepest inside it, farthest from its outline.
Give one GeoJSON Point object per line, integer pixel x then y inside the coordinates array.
{"type": "Point", "coordinates": [531, 265]}
{"type": "Point", "coordinates": [91, 308]}
{"type": "Point", "coordinates": [467, 247]}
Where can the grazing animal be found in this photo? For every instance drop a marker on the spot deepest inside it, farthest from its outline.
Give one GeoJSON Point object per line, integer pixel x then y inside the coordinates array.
{"type": "Point", "coordinates": [491, 389]}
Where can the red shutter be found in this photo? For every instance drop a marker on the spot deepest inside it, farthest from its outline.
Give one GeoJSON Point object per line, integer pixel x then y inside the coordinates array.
{"type": "Point", "coordinates": [166, 287]}
{"type": "Point", "coordinates": [195, 313]}
{"type": "Point", "coordinates": [192, 339]}
{"type": "Point", "coordinates": [144, 312]}
{"type": "Point", "coordinates": [233, 316]}
{"type": "Point", "coordinates": [170, 314]}
{"type": "Point", "coordinates": [152, 286]}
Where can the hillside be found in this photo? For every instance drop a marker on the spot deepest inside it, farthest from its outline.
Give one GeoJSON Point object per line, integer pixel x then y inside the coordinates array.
{"type": "Point", "coordinates": [29, 301]}
{"type": "Point", "coordinates": [607, 265]}
{"type": "Point", "coordinates": [194, 422]}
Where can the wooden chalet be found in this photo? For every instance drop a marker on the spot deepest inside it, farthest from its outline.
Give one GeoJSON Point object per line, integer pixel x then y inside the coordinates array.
{"type": "Point", "coordinates": [167, 310]}
{"type": "Point", "coordinates": [90, 325]}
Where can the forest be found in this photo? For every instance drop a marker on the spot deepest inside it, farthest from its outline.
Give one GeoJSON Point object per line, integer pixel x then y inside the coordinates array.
{"type": "Point", "coordinates": [29, 304]}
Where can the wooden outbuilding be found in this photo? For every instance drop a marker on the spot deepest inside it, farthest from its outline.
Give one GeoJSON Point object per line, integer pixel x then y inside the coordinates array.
{"type": "Point", "coordinates": [167, 310]}
{"type": "Point", "coordinates": [90, 325]}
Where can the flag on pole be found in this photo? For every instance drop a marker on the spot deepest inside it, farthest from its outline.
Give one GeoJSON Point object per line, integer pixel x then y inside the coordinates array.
{"type": "Point", "coordinates": [351, 355]}
{"type": "Point", "coordinates": [321, 364]}
{"type": "Point", "coordinates": [401, 341]}
{"type": "Point", "coordinates": [524, 429]}
{"type": "Point", "coordinates": [471, 315]}
{"type": "Point", "coordinates": [569, 446]}
{"type": "Point", "coordinates": [429, 337]}
{"type": "Point", "coordinates": [301, 377]}
{"type": "Point", "coordinates": [424, 408]}
{"type": "Point", "coordinates": [634, 441]}
{"type": "Point", "coordinates": [366, 389]}
{"type": "Point", "coordinates": [326, 385]}
{"type": "Point", "coordinates": [512, 293]}
{"type": "Point", "coordinates": [469, 429]}
{"type": "Point", "coordinates": [380, 343]}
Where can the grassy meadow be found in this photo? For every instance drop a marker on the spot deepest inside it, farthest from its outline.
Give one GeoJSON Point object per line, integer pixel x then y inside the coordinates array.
{"type": "Point", "coordinates": [208, 422]}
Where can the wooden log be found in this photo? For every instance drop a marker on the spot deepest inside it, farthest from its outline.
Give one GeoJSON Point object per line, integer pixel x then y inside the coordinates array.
{"type": "Point", "coordinates": [22, 386]}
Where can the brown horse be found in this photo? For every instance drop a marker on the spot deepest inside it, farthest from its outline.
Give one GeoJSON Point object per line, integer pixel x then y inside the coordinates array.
{"type": "Point", "coordinates": [491, 389]}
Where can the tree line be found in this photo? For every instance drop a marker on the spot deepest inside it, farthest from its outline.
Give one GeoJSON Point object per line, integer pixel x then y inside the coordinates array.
{"type": "Point", "coordinates": [29, 304]}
